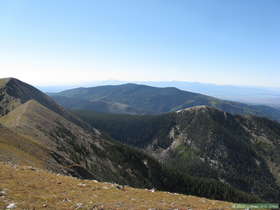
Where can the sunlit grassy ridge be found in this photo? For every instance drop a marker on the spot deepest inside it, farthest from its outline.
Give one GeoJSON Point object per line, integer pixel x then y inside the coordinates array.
{"type": "Point", "coordinates": [31, 188]}
{"type": "Point", "coordinates": [4, 81]}
{"type": "Point", "coordinates": [19, 149]}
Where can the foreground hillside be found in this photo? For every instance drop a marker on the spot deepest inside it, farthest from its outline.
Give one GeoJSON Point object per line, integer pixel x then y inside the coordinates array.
{"type": "Point", "coordinates": [31, 188]}
{"type": "Point", "coordinates": [143, 99]}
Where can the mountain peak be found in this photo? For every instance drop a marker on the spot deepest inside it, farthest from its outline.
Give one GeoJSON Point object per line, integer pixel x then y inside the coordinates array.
{"type": "Point", "coordinates": [14, 93]}
{"type": "Point", "coordinates": [8, 80]}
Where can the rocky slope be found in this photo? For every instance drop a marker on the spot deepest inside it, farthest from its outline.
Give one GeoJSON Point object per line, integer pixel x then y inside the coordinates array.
{"type": "Point", "coordinates": [242, 151]}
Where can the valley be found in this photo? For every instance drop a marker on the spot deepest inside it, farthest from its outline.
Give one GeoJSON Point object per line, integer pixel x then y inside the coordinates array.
{"type": "Point", "coordinates": [37, 132]}
{"type": "Point", "coordinates": [131, 105]}
{"type": "Point", "coordinates": [198, 151]}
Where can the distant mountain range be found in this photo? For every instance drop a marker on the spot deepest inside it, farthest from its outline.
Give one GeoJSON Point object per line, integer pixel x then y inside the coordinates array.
{"type": "Point", "coordinates": [246, 94]}
{"type": "Point", "coordinates": [242, 151]}
{"type": "Point", "coordinates": [36, 131]}
{"type": "Point", "coordinates": [143, 99]}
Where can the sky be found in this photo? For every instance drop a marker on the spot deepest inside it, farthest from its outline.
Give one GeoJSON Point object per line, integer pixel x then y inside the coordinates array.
{"type": "Point", "coordinates": [57, 42]}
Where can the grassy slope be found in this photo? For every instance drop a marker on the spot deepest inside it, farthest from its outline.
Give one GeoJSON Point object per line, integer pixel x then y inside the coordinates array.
{"type": "Point", "coordinates": [3, 82]}
{"type": "Point", "coordinates": [19, 149]}
{"type": "Point", "coordinates": [32, 188]}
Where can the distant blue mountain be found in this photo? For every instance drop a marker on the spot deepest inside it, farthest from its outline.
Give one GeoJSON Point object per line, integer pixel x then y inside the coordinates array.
{"type": "Point", "coordinates": [246, 94]}
{"type": "Point", "coordinates": [143, 99]}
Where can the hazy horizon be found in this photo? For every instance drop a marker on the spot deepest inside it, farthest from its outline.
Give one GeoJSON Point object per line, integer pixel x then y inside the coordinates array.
{"type": "Point", "coordinates": [49, 43]}
{"type": "Point", "coordinates": [245, 94]}
{"type": "Point", "coordinates": [117, 82]}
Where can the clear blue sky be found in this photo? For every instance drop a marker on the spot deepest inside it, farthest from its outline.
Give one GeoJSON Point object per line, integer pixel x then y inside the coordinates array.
{"type": "Point", "coordinates": [70, 41]}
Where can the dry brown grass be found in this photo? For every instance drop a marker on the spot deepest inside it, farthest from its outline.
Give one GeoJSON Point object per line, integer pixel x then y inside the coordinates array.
{"type": "Point", "coordinates": [19, 149]}
{"type": "Point", "coordinates": [32, 188]}
{"type": "Point", "coordinates": [4, 81]}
